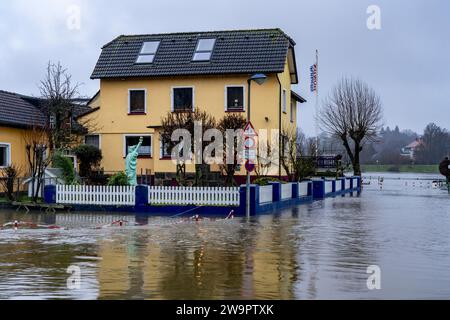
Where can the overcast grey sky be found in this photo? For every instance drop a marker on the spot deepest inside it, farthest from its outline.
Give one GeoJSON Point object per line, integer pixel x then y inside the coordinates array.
{"type": "Point", "coordinates": [406, 62]}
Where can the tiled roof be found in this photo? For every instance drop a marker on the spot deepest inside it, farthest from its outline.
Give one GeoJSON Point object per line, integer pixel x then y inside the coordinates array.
{"type": "Point", "coordinates": [235, 52]}
{"type": "Point", "coordinates": [18, 110]}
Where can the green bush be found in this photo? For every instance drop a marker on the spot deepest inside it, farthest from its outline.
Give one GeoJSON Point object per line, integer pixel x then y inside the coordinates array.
{"type": "Point", "coordinates": [264, 181]}
{"type": "Point", "coordinates": [66, 166]}
{"type": "Point", "coordinates": [119, 179]}
{"type": "Point", "coordinates": [89, 158]}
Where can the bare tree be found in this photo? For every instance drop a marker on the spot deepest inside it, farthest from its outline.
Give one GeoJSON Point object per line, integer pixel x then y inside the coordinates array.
{"type": "Point", "coordinates": [264, 158]}
{"type": "Point", "coordinates": [38, 157]}
{"type": "Point", "coordinates": [352, 113]}
{"type": "Point", "coordinates": [58, 92]}
{"type": "Point", "coordinates": [235, 122]}
{"type": "Point", "coordinates": [8, 178]}
{"type": "Point", "coordinates": [187, 121]}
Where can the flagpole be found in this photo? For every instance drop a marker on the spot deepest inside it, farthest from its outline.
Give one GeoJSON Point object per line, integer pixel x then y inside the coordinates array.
{"type": "Point", "coordinates": [317, 102]}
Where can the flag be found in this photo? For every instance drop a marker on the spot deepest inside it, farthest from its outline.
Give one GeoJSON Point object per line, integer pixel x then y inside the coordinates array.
{"type": "Point", "coordinates": [313, 70]}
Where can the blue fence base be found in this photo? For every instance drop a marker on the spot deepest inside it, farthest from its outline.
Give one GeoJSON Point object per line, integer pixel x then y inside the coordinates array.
{"type": "Point", "coordinates": [316, 191]}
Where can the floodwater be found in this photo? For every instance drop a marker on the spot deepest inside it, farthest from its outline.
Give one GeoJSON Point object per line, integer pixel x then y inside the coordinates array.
{"type": "Point", "coordinates": [316, 251]}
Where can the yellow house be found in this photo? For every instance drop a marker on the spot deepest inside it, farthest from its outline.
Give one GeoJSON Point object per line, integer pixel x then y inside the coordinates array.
{"type": "Point", "coordinates": [18, 114]}
{"type": "Point", "coordinates": [144, 77]}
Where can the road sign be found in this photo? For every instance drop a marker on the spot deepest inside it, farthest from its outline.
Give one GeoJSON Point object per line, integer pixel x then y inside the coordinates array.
{"type": "Point", "coordinates": [250, 143]}
{"type": "Point", "coordinates": [249, 130]}
{"type": "Point", "coordinates": [249, 166]}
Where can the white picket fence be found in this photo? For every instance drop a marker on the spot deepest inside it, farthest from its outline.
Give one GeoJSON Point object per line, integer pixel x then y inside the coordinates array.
{"type": "Point", "coordinates": [265, 194]}
{"type": "Point", "coordinates": [197, 196]}
{"type": "Point", "coordinates": [95, 195]}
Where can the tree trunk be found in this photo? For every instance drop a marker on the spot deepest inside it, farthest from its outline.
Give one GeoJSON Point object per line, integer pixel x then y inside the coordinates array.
{"type": "Point", "coordinates": [356, 160]}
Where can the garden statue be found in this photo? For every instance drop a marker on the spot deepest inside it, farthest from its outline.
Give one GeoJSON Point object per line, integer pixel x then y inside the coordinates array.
{"type": "Point", "coordinates": [131, 163]}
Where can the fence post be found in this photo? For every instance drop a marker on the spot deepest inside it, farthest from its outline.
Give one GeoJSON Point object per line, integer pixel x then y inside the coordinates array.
{"type": "Point", "coordinates": [276, 191]}
{"type": "Point", "coordinates": [243, 200]}
{"type": "Point", "coordinates": [295, 191]}
{"type": "Point", "coordinates": [141, 201]}
{"type": "Point", "coordinates": [319, 189]}
{"type": "Point", "coordinates": [50, 194]}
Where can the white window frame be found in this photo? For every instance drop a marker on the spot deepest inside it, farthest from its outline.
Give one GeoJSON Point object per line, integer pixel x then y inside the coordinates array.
{"type": "Point", "coordinates": [284, 100]}
{"type": "Point", "coordinates": [8, 154]}
{"type": "Point", "coordinates": [226, 96]}
{"type": "Point", "coordinates": [161, 150]}
{"type": "Point", "coordinates": [125, 136]}
{"type": "Point", "coordinates": [129, 99]}
{"type": "Point", "coordinates": [99, 139]}
{"type": "Point", "coordinates": [293, 109]}
{"type": "Point", "coordinates": [148, 54]}
{"type": "Point", "coordinates": [204, 51]}
{"type": "Point", "coordinates": [172, 96]}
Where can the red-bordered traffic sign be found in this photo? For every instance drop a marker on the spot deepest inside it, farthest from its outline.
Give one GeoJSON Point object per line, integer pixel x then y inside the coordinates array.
{"type": "Point", "coordinates": [249, 130]}
{"type": "Point", "coordinates": [250, 166]}
{"type": "Point", "coordinates": [250, 143]}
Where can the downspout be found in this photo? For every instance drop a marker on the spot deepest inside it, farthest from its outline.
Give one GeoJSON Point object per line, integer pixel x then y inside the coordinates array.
{"type": "Point", "coordinates": [280, 138]}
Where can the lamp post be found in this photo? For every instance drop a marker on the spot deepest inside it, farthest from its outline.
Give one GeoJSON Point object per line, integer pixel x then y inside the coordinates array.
{"type": "Point", "coordinates": [260, 79]}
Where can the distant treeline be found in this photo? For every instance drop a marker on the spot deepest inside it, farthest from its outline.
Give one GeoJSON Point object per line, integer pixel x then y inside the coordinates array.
{"type": "Point", "coordinates": [386, 149]}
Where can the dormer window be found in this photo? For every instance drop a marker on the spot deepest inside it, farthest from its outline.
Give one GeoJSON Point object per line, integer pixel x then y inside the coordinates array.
{"type": "Point", "coordinates": [148, 52]}
{"type": "Point", "coordinates": [204, 50]}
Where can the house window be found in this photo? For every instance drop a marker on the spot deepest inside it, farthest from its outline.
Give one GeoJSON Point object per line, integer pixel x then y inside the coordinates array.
{"type": "Point", "coordinates": [235, 98]}
{"type": "Point", "coordinates": [92, 140]}
{"type": "Point", "coordinates": [133, 140]}
{"type": "Point", "coordinates": [137, 102]}
{"type": "Point", "coordinates": [165, 151]}
{"type": "Point", "coordinates": [5, 155]}
{"type": "Point", "coordinates": [148, 52]}
{"type": "Point", "coordinates": [204, 50]}
{"type": "Point", "coordinates": [293, 108]}
{"type": "Point", "coordinates": [183, 99]}
{"type": "Point", "coordinates": [284, 100]}
{"type": "Point", "coordinates": [52, 122]}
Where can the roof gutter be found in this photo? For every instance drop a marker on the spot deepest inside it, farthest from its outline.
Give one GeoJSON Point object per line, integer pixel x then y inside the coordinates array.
{"type": "Point", "coordinates": [280, 141]}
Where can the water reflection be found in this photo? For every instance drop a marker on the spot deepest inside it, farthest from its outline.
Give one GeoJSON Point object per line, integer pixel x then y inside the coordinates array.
{"type": "Point", "coordinates": [320, 250]}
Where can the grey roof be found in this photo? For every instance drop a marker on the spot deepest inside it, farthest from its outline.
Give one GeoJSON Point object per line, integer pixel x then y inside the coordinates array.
{"type": "Point", "coordinates": [235, 52]}
{"type": "Point", "coordinates": [297, 97]}
{"type": "Point", "coordinates": [19, 111]}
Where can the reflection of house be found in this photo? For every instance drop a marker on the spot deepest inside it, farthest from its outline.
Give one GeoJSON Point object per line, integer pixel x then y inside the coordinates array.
{"type": "Point", "coordinates": [144, 77]}
{"type": "Point", "coordinates": [411, 149]}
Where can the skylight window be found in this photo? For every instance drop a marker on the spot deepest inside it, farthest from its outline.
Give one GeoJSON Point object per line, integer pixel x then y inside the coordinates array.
{"type": "Point", "coordinates": [204, 49]}
{"type": "Point", "coordinates": [148, 52]}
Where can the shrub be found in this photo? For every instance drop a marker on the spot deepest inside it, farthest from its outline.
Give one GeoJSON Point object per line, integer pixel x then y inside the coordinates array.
{"type": "Point", "coordinates": [8, 176]}
{"type": "Point", "coordinates": [66, 166]}
{"type": "Point", "coordinates": [89, 158]}
{"type": "Point", "coordinates": [119, 179]}
{"type": "Point", "coordinates": [264, 181]}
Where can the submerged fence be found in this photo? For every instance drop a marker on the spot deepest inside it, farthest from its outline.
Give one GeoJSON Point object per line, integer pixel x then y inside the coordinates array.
{"type": "Point", "coordinates": [95, 195]}
{"type": "Point", "coordinates": [194, 196]}
{"type": "Point", "coordinates": [148, 199]}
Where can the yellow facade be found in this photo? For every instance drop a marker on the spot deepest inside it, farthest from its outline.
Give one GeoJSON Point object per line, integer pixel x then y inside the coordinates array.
{"type": "Point", "coordinates": [14, 139]}
{"type": "Point", "coordinates": [113, 121]}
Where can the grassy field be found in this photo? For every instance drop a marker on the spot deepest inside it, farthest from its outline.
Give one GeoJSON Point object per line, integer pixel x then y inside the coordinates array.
{"type": "Point", "coordinates": [401, 168]}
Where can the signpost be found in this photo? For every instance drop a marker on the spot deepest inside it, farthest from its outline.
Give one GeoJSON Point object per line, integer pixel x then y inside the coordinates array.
{"type": "Point", "coordinates": [250, 156]}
